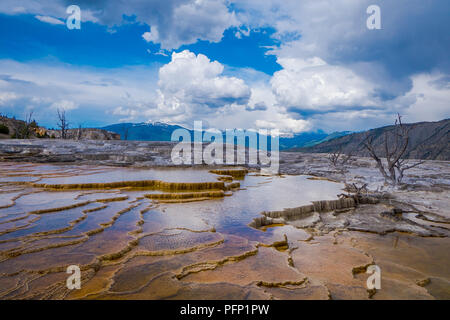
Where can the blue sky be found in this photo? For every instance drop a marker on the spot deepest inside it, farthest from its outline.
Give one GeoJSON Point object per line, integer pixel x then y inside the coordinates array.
{"type": "Point", "coordinates": [95, 45]}
{"type": "Point", "coordinates": [289, 65]}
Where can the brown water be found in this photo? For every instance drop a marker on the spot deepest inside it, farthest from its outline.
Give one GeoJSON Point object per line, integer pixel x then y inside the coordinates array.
{"type": "Point", "coordinates": [131, 247]}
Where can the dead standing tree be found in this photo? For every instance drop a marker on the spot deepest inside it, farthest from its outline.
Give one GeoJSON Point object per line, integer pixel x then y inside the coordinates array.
{"type": "Point", "coordinates": [63, 124]}
{"type": "Point", "coordinates": [29, 124]}
{"type": "Point", "coordinates": [395, 144]}
{"type": "Point", "coordinates": [125, 132]}
{"type": "Point", "coordinates": [79, 132]}
{"type": "Point", "coordinates": [338, 159]}
{"type": "Point", "coordinates": [24, 129]}
{"type": "Point", "coordinates": [355, 192]}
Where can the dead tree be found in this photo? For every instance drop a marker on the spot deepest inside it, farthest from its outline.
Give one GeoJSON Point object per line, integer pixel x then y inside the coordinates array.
{"type": "Point", "coordinates": [338, 159]}
{"type": "Point", "coordinates": [125, 133]}
{"type": "Point", "coordinates": [395, 144]}
{"type": "Point", "coordinates": [29, 124]}
{"type": "Point", "coordinates": [355, 192]}
{"type": "Point", "coordinates": [23, 129]}
{"type": "Point", "coordinates": [124, 130]}
{"type": "Point", "coordinates": [62, 124]}
{"type": "Point", "coordinates": [79, 132]}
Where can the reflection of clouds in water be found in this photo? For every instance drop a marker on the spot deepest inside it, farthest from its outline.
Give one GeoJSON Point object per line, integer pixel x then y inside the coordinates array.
{"type": "Point", "coordinates": [65, 233]}
{"type": "Point", "coordinates": [233, 214]}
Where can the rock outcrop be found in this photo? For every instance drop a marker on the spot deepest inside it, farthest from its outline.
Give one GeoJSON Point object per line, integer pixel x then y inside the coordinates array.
{"type": "Point", "coordinates": [85, 134]}
{"type": "Point", "coordinates": [11, 128]}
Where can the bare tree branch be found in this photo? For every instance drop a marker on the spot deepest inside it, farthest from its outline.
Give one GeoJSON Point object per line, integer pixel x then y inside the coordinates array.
{"type": "Point", "coordinates": [338, 159]}
{"type": "Point", "coordinates": [125, 132]}
{"type": "Point", "coordinates": [62, 124]}
{"type": "Point", "coordinates": [395, 145]}
{"type": "Point", "coordinates": [79, 132]}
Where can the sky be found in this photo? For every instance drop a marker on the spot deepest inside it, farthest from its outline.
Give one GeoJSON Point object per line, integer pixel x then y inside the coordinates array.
{"type": "Point", "coordinates": [290, 65]}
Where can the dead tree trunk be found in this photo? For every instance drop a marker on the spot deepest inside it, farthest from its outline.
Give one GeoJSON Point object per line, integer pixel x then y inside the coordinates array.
{"type": "Point", "coordinates": [125, 132]}
{"type": "Point", "coordinates": [395, 143]}
{"type": "Point", "coordinates": [62, 123]}
{"type": "Point", "coordinates": [22, 130]}
{"type": "Point", "coordinates": [79, 132]}
{"type": "Point", "coordinates": [338, 159]}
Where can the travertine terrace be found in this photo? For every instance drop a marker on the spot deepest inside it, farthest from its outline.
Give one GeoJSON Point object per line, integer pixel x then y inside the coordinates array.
{"type": "Point", "coordinates": [140, 228]}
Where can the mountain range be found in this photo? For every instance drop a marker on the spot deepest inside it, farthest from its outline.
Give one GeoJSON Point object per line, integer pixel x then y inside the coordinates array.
{"type": "Point", "coordinates": [427, 140]}
{"type": "Point", "coordinates": [158, 131]}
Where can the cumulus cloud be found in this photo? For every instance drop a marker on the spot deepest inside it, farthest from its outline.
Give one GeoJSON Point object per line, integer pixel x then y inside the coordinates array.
{"type": "Point", "coordinates": [413, 38]}
{"type": "Point", "coordinates": [90, 96]}
{"type": "Point", "coordinates": [431, 95]}
{"type": "Point", "coordinates": [172, 22]}
{"type": "Point", "coordinates": [427, 100]}
{"type": "Point", "coordinates": [336, 74]}
{"type": "Point", "coordinates": [192, 85]}
{"type": "Point", "coordinates": [314, 85]}
{"type": "Point", "coordinates": [336, 29]}
{"type": "Point", "coordinates": [191, 21]}
{"type": "Point", "coordinates": [261, 112]}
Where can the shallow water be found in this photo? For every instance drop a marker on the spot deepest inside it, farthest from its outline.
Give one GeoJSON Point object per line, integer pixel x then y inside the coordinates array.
{"type": "Point", "coordinates": [129, 174]}
{"type": "Point", "coordinates": [129, 246]}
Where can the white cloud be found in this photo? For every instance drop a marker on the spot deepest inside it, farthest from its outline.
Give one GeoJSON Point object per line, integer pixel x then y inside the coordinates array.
{"type": "Point", "coordinates": [6, 97]}
{"type": "Point", "coordinates": [261, 112]}
{"type": "Point", "coordinates": [89, 95]}
{"type": "Point", "coordinates": [431, 95]}
{"type": "Point", "coordinates": [427, 100]}
{"type": "Point", "coordinates": [314, 85]}
{"type": "Point", "coordinates": [284, 124]}
{"type": "Point", "coordinates": [50, 11]}
{"type": "Point", "coordinates": [151, 36]}
{"type": "Point", "coordinates": [173, 22]}
{"type": "Point", "coordinates": [191, 21]}
{"type": "Point", "coordinates": [130, 114]}
{"type": "Point", "coordinates": [352, 120]}
{"type": "Point", "coordinates": [192, 86]}
{"type": "Point", "coordinates": [64, 105]}
{"type": "Point", "coordinates": [50, 20]}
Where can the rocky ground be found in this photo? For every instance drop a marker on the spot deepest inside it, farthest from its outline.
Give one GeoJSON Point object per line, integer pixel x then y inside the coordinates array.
{"type": "Point", "coordinates": [112, 152]}
{"type": "Point", "coordinates": [11, 128]}
{"type": "Point", "coordinates": [404, 230]}
{"type": "Point", "coordinates": [425, 189]}
{"type": "Point", "coordinates": [431, 174]}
